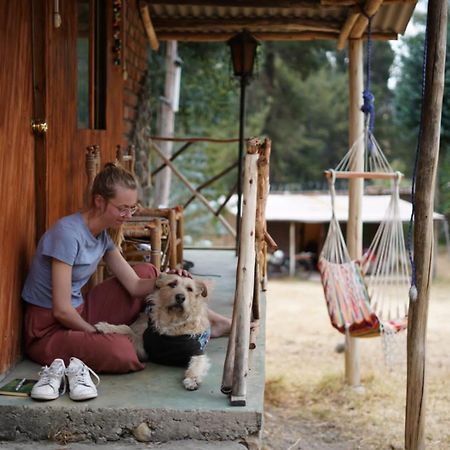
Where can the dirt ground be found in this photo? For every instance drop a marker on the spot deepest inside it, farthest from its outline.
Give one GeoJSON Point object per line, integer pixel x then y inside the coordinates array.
{"type": "Point", "coordinates": [309, 406]}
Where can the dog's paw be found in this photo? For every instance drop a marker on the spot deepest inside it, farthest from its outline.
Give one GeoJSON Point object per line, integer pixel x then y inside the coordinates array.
{"type": "Point", "coordinates": [191, 384]}
{"type": "Point", "coordinates": [102, 327]}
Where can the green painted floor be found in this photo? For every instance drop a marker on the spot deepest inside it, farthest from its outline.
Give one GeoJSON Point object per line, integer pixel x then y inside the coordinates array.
{"type": "Point", "coordinates": [159, 387]}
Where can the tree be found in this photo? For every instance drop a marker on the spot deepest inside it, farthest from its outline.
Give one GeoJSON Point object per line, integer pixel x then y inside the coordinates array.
{"type": "Point", "coordinates": [408, 100]}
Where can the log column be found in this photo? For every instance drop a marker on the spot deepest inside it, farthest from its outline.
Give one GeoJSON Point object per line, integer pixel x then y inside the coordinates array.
{"type": "Point", "coordinates": [423, 227]}
{"type": "Point", "coordinates": [355, 189]}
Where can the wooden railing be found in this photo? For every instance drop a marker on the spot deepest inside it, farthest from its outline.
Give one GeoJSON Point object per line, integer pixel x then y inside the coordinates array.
{"type": "Point", "coordinates": [251, 274]}
{"type": "Point", "coordinates": [196, 191]}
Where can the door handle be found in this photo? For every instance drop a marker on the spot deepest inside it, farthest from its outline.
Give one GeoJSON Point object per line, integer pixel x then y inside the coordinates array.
{"type": "Point", "coordinates": [39, 127]}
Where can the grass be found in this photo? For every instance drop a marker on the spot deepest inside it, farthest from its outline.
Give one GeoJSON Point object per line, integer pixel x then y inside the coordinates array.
{"type": "Point", "coordinates": [306, 377]}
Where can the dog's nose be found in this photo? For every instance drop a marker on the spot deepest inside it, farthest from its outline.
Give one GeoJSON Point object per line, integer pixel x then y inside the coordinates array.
{"type": "Point", "coordinates": [180, 298]}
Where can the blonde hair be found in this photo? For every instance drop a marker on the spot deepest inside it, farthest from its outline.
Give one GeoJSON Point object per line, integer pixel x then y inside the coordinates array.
{"type": "Point", "coordinates": [105, 184]}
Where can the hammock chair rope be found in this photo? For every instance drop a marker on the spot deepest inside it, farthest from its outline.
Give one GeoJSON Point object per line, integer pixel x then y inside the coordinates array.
{"type": "Point", "coordinates": [367, 297]}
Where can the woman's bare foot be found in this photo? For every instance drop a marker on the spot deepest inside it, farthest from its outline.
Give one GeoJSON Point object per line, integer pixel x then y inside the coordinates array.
{"type": "Point", "coordinates": [220, 325]}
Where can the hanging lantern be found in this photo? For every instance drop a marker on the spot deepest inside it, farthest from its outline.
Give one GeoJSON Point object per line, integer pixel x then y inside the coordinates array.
{"type": "Point", "coordinates": [243, 52]}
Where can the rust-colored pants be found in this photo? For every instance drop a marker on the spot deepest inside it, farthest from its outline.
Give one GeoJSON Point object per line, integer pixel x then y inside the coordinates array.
{"type": "Point", "coordinates": [46, 339]}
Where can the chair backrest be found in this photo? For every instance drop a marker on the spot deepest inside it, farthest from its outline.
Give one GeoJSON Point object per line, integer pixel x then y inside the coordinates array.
{"type": "Point", "coordinates": [126, 157]}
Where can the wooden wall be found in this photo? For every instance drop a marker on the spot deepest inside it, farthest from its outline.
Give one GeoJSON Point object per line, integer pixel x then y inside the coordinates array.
{"type": "Point", "coordinates": [17, 200]}
{"type": "Point", "coordinates": [43, 178]}
{"type": "Point", "coordinates": [136, 55]}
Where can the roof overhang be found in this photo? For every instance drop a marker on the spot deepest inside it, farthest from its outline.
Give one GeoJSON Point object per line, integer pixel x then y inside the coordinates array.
{"type": "Point", "coordinates": [278, 20]}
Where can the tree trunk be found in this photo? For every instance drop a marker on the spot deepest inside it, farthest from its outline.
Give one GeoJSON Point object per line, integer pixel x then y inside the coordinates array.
{"type": "Point", "coordinates": [423, 227]}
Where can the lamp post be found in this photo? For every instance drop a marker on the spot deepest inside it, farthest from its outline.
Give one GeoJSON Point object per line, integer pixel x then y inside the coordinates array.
{"type": "Point", "coordinates": [243, 51]}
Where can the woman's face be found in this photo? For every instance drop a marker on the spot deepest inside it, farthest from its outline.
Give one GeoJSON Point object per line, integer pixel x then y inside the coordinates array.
{"type": "Point", "coordinates": [121, 207]}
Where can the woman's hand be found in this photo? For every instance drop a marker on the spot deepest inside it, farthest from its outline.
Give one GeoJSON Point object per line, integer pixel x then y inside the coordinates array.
{"type": "Point", "coordinates": [179, 272]}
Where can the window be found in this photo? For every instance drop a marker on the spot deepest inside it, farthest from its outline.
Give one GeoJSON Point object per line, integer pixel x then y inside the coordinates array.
{"type": "Point", "coordinates": [91, 64]}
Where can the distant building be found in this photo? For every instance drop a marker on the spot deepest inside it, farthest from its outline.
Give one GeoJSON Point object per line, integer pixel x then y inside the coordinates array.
{"type": "Point", "coordinates": [299, 222]}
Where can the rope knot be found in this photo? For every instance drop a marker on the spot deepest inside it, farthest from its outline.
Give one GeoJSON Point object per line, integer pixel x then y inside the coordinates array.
{"type": "Point", "coordinates": [368, 106]}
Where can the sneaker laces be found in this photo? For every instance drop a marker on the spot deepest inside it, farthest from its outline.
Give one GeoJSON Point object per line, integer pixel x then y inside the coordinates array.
{"type": "Point", "coordinates": [49, 374]}
{"type": "Point", "coordinates": [81, 373]}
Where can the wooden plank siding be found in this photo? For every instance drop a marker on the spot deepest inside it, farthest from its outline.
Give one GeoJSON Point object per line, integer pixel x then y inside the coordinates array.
{"type": "Point", "coordinates": [136, 56]}
{"type": "Point", "coordinates": [17, 187]}
{"type": "Point", "coordinates": [42, 178]}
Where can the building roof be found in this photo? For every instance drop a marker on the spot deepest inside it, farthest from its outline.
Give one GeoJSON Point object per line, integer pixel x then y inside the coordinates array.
{"type": "Point", "coordinates": [316, 208]}
{"type": "Point", "coordinates": [216, 20]}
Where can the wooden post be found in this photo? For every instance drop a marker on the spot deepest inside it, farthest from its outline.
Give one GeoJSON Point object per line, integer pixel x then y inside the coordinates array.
{"type": "Point", "coordinates": [167, 124]}
{"type": "Point", "coordinates": [180, 234]}
{"type": "Point", "coordinates": [291, 249]}
{"type": "Point", "coordinates": [228, 367]}
{"type": "Point", "coordinates": [172, 239]}
{"type": "Point", "coordinates": [355, 189]}
{"type": "Point", "coordinates": [423, 228]}
{"type": "Point", "coordinates": [260, 228]}
{"type": "Point", "coordinates": [246, 272]}
{"type": "Point", "coordinates": [261, 225]}
{"type": "Point", "coordinates": [155, 244]}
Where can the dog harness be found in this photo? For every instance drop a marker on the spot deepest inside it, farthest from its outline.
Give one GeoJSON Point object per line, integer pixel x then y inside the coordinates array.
{"type": "Point", "coordinates": [174, 350]}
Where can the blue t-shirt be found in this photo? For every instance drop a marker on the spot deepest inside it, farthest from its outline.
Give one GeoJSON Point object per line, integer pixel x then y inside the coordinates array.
{"type": "Point", "coordinates": [69, 240]}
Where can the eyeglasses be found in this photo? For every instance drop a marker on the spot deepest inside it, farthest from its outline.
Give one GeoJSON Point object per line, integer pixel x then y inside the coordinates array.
{"type": "Point", "coordinates": [124, 210]}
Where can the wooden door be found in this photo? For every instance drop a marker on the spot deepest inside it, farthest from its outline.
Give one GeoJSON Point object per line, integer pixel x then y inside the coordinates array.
{"type": "Point", "coordinates": [79, 75]}
{"type": "Point", "coordinates": [17, 181]}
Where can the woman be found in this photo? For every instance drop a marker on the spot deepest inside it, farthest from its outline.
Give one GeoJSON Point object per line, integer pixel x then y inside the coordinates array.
{"type": "Point", "coordinates": [58, 322]}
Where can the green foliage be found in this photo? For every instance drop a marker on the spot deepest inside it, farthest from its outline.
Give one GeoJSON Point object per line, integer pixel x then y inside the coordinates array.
{"type": "Point", "coordinates": [298, 98]}
{"type": "Point", "coordinates": [408, 101]}
{"type": "Point", "coordinates": [306, 89]}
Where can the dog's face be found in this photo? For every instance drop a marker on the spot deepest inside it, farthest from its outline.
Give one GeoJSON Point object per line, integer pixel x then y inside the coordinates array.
{"type": "Point", "coordinates": [179, 302]}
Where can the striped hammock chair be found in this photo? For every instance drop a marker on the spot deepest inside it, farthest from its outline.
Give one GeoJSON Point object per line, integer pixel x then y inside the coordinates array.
{"type": "Point", "coordinates": [367, 297]}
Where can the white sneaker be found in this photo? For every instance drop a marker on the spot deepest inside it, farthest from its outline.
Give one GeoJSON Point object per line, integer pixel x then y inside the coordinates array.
{"type": "Point", "coordinates": [52, 382]}
{"type": "Point", "coordinates": [81, 386]}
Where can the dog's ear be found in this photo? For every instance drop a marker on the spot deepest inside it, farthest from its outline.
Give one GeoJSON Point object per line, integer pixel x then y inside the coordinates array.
{"type": "Point", "coordinates": [201, 288]}
{"type": "Point", "coordinates": [160, 281]}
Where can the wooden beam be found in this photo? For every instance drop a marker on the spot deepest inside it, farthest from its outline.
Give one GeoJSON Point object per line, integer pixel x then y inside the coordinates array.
{"type": "Point", "coordinates": [148, 26]}
{"type": "Point", "coordinates": [370, 8]}
{"type": "Point", "coordinates": [264, 37]}
{"type": "Point", "coordinates": [429, 140]}
{"type": "Point", "coordinates": [193, 139]}
{"type": "Point", "coordinates": [235, 24]}
{"type": "Point", "coordinates": [347, 28]}
{"type": "Point", "coordinates": [365, 175]}
{"type": "Point", "coordinates": [285, 4]}
{"type": "Point", "coordinates": [223, 37]}
{"type": "Point", "coordinates": [338, 3]}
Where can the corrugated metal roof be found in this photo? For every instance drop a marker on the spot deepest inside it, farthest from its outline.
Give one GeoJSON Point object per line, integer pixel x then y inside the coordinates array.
{"type": "Point", "coordinates": [277, 20]}
{"type": "Point", "coordinates": [316, 208]}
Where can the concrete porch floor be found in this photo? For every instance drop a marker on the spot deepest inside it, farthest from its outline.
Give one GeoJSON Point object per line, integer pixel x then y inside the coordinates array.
{"type": "Point", "coordinates": [154, 396]}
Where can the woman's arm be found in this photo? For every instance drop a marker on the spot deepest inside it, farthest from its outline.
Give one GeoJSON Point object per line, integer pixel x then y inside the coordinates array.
{"type": "Point", "coordinates": [137, 287]}
{"type": "Point", "coordinates": [63, 311]}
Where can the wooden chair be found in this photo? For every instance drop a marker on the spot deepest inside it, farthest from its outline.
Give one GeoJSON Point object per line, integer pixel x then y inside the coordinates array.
{"type": "Point", "coordinates": [251, 274]}
{"type": "Point", "coordinates": [171, 220]}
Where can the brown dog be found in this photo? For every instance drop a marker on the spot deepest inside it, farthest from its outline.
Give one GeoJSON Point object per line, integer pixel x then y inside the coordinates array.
{"type": "Point", "coordinates": [175, 328]}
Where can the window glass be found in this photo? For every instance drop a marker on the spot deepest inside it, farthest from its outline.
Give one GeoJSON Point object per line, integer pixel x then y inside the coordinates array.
{"type": "Point", "coordinates": [91, 64]}
{"type": "Point", "coordinates": [83, 64]}
{"type": "Point", "coordinates": [100, 66]}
